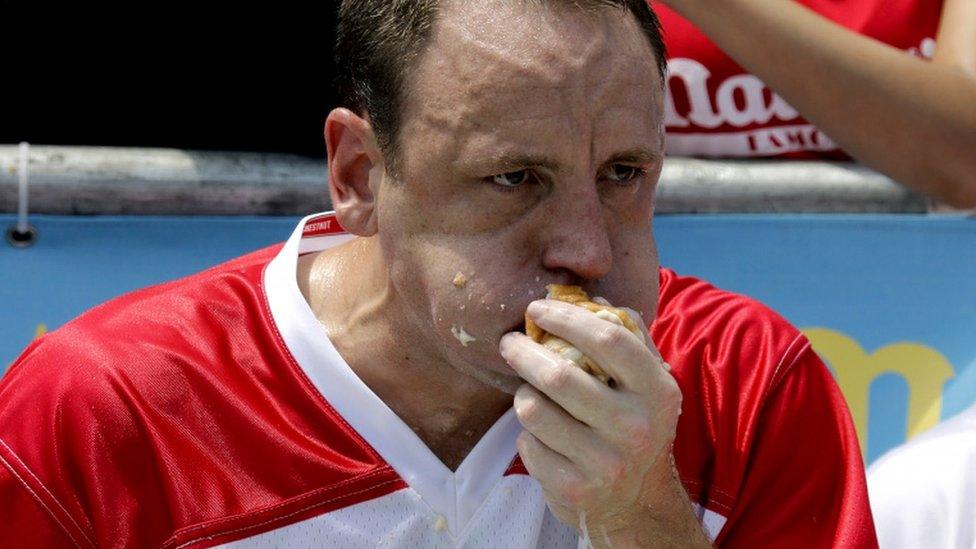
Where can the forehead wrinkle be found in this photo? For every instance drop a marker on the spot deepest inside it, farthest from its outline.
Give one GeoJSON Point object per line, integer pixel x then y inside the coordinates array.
{"type": "Point", "coordinates": [536, 82]}
{"type": "Point", "coordinates": [477, 77]}
{"type": "Point", "coordinates": [495, 46]}
{"type": "Point", "coordinates": [502, 146]}
{"type": "Point", "coordinates": [503, 32]}
{"type": "Point", "coordinates": [592, 95]}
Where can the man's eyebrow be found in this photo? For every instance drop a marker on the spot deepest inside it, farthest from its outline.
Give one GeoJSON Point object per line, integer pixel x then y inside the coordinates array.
{"type": "Point", "coordinates": [519, 161]}
{"type": "Point", "coordinates": [635, 156]}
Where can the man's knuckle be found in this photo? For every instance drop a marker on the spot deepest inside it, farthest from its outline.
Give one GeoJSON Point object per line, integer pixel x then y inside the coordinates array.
{"type": "Point", "coordinates": [671, 397]}
{"type": "Point", "coordinates": [611, 336]}
{"type": "Point", "coordinates": [524, 445]}
{"type": "Point", "coordinates": [529, 411]}
{"type": "Point", "coordinates": [615, 470]}
{"type": "Point", "coordinates": [637, 433]}
{"type": "Point", "coordinates": [558, 376]}
{"type": "Point", "coordinates": [574, 491]}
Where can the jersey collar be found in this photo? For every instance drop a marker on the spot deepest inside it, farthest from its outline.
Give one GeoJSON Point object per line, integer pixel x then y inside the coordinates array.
{"type": "Point", "coordinates": [454, 495]}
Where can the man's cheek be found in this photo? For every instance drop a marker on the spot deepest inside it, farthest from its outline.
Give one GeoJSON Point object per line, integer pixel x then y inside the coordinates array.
{"type": "Point", "coordinates": [635, 213]}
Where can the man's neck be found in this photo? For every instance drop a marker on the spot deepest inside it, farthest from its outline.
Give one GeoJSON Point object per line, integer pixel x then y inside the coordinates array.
{"type": "Point", "coordinates": [449, 410]}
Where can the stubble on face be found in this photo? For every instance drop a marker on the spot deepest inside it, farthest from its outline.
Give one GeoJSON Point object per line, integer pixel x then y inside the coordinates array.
{"type": "Point", "coordinates": [506, 85]}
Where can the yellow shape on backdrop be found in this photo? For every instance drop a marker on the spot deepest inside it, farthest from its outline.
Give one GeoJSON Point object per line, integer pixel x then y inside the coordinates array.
{"type": "Point", "coordinates": [40, 330]}
{"type": "Point", "coordinates": [923, 368]}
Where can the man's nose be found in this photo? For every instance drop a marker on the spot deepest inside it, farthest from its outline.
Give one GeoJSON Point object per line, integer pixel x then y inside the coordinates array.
{"type": "Point", "coordinates": [576, 236]}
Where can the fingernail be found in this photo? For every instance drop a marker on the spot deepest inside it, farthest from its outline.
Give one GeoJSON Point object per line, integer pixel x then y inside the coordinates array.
{"type": "Point", "coordinates": [537, 308]}
{"type": "Point", "coordinates": [505, 342]}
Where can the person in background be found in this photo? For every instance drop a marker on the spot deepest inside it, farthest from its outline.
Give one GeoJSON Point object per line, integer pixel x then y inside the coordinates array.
{"type": "Point", "coordinates": [922, 494]}
{"type": "Point", "coordinates": [891, 83]}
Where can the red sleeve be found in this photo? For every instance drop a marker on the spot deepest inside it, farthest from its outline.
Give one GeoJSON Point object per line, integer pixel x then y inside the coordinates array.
{"type": "Point", "coordinates": [765, 446]}
{"type": "Point", "coordinates": [804, 480]}
{"type": "Point", "coordinates": [30, 516]}
{"type": "Point", "coordinates": [72, 455]}
{"type": "Point", "coordinates": [30, 413]}
{"type": "Point", "coordinates": [167, 412]}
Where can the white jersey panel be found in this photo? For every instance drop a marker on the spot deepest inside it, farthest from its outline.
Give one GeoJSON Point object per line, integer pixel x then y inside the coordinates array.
{"type": "Point", "coordinates": [454, 495]}
{"type": "Point", "coordinates": [923, 494]}
{"type": "Point", "coordinates": [513, 516]}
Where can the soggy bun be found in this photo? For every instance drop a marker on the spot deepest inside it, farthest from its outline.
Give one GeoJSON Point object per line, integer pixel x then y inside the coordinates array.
{"type": "Point", "coordinates": [578, 297]}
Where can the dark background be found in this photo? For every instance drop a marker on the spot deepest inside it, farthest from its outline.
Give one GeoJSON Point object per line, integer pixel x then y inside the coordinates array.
{"type": "Point", "coordinates": [204, 75]}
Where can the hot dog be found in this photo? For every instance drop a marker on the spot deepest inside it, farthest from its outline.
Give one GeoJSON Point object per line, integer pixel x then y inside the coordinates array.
{"type": "Point", "coordinates": [578, 297]}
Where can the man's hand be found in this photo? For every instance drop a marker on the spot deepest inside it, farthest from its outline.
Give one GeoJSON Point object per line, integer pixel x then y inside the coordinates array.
{"type": "Point", "coordinates": [602, 454]}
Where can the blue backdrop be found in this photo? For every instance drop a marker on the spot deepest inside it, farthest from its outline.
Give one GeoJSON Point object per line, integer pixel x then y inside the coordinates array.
{"type": "Point", "coordinates": [888, 301]}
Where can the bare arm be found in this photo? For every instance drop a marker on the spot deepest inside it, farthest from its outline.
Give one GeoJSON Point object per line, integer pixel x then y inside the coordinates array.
{"type": "Point", "coordinates": [911, 119]}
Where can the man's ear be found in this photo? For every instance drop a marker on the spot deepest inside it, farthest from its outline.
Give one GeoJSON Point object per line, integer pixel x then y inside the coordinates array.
{"type": "Point", "coordinates": [354, 158]}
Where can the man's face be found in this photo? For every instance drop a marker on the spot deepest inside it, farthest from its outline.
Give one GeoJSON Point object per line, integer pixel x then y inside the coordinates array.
{"type": "Point", "coordinates": [530, 146]}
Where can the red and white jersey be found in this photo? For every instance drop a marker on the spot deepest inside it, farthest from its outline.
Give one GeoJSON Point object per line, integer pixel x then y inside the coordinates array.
{"type": "Point", "coordinates": [214, 410]}
{"type": "Point", "coordinates": [715, 108]}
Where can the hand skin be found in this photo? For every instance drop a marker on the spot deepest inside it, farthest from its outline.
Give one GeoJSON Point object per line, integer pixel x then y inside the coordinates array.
{"type": "Point", "coordinates": [599, 452]}
{"type": "Point", "coordinates": [910, 119]}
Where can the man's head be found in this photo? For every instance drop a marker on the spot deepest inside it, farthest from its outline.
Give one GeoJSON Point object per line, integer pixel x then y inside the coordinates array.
{"type": "Point", "coordinates": [378, 42]}
{"type": "Point", "coordinates": [530, 140]}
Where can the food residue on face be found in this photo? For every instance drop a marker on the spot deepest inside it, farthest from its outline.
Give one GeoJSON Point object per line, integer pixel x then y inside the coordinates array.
{"type": "Point", "coordinates": [460, 280]}
{"type": "Point", "coordinates": [462, 336]}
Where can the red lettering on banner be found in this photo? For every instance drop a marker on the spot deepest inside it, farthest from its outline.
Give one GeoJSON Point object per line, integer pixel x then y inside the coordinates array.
{"type": "Point", "coordinates": [698, 100]}
{"type": "Point", "coordinates": [795, 139]}
{"type": "Point", "coordinates": [771, 141]}
{"type": "Point", "coordinates": [693, 78]}
{"type": "Point", "coordinates": [815, 138]}
{"type": "Point", "coordinates": [322, 225]}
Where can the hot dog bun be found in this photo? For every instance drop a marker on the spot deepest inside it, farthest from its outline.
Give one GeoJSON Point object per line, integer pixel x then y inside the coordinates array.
{"type": "Point", "coordinates": [578, 297]}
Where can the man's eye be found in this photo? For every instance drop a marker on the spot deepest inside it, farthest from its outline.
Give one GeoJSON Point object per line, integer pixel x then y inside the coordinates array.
{"type": "Point", "coordinates": [511, 179]}
{"type": "Point", "coordinates": [622, 173]}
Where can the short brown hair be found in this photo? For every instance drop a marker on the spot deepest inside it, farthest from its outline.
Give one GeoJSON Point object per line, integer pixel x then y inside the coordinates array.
{"type": "Point", "coordinates": [377, 42]}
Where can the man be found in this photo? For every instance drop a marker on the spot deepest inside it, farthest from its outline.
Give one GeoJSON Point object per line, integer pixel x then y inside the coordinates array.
{"type": "Point", "coordinates": [357, 391]}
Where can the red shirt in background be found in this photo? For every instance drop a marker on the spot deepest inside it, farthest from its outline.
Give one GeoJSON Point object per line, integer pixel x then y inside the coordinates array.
{"type": "Point", "coordinates": [715, 108]}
